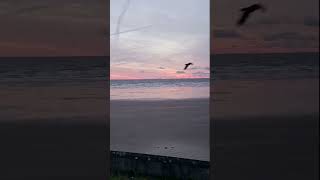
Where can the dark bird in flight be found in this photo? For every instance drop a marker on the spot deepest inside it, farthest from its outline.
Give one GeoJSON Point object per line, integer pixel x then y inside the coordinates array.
{"type": "Point", "coordinates": [247, 11]}
{"type": "Point", "coordinates": [187, 65]}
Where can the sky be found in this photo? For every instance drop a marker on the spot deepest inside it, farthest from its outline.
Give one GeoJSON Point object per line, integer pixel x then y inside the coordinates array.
{"type": "Point", "coordinates": [81, 28]}
{"type": "Point", "coordinates": [286, 26]}
{"type": "Point", "coordinates": [54, 28]}
{"type": "Point", "coordinates": [165, 35]}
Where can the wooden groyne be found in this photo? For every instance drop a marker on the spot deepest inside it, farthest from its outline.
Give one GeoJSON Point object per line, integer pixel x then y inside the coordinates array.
{"type": "Point", "coordinates": [145, 165]}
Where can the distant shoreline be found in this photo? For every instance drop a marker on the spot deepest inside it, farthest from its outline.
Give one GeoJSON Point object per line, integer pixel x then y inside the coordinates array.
{"type": "Point", "coordinates": [159, 100]}
{"type": "Point", "coordinates": [161, 79]}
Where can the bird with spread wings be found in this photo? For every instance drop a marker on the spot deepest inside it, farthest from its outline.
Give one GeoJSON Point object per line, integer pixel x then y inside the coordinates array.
{"type": "Point", "coordinates": [246, 12]}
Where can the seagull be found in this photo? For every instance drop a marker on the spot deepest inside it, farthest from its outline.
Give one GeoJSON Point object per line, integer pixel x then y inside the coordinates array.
{"type": "Point", "coordinates": [247, 11]}
{"type": "Point", "coordinates": [187, 65]}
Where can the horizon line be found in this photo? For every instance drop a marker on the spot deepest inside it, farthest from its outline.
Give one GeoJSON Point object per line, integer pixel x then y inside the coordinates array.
{"type": "Point", "coordinates": [156, 79]}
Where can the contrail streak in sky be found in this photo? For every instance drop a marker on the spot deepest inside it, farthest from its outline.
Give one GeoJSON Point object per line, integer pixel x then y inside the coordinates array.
{"type": "Point", "coordinates": [125, 8]}
{"type": "Point", "coordinates": [131, 30]}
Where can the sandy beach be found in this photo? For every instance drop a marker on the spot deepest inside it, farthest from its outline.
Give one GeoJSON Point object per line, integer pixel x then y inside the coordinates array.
{"type": "Point", "coordinates": [252, 98]}
{"type": "Point", "coordinates": [178, 128]}
{"type": "Point", "coordinates": [54, 131]}
{"type": "Point", "coordinates": [258, 127]}
{"type": "Point", "coordinates": [71, 103]}
{"type": "Point", "coordinates": [266, 129]}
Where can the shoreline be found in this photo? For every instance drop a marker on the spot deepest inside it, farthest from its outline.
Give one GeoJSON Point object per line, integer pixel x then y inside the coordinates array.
{"type": "Point", "coordinates": [238, 99]}
{"type": "Point", "coordinates": [159, 100]}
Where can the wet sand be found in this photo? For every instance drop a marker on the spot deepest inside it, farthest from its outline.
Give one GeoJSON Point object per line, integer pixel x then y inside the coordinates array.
{"type": "Point", "coordinates": [265, 129]}
{"type": "Point", "coordinates": [46, 103]}
{"type": "Point", "coordinates": [177, 128]}
{"type": "Point", "coordinates": [54, 132]}
{"type": "Point", "coordinates": [252, 98]}
{"type": "Point", "coordinates": [271, 135]}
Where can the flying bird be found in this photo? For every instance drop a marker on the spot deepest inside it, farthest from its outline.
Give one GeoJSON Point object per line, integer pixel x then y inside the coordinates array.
{"type": "Point", "coordinates": [247, 11]}
{"type": "Point", "coordinates": [187, 65]}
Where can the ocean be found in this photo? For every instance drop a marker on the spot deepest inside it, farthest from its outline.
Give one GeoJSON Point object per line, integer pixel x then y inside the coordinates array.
{"type": "Point", "coordinates": [80, 71]}
{"type": "Point", "coordinates": [46, 71]}
{"type": "Point", "coordinates": [55, 89]}
{"type": "Point", "coordinates": [63, 89]}
{"type": "Point", "coordinates": [223, 67]}
{"type": "Point", "coordinates": [159, 89]}
{"type": "Point", "coordinates": [279, 66]}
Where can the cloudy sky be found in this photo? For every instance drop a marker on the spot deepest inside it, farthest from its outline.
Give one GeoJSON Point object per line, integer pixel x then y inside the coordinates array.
{"type": "Point", "coordinates": [176, 31]}
{"type": "Point", "coordinates": [287, 26]}
{"type": "Point", "coordinates": [166, 35]}
{"type": "Point", "coordinates": [53, 27]}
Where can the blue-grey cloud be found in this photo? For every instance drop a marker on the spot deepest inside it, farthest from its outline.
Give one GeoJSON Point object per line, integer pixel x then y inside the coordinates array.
{"type": "Point", "coordinates": [199, 68]}
{"type": "Point", "coordinates": [201, 74]}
